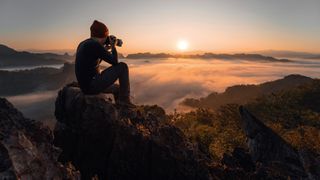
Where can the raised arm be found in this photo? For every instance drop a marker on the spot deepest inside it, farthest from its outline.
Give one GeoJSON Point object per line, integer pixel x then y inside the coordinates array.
{"type": "Point", "coordinates": [111, 58]}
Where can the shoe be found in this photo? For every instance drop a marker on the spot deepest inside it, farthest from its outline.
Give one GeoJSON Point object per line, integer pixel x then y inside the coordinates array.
{"type": "Point", "coordinates": [125, 102]}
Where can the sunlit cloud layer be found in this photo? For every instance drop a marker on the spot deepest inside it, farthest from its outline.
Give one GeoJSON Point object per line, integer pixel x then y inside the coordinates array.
{"type": "Point", "coordinates": [167, 82]}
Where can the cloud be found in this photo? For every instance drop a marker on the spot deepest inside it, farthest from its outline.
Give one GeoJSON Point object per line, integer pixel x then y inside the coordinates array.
{"type": "Point", "coordinates": [168, 82]}
{"type": "Point", "coordinates": [37, 105]}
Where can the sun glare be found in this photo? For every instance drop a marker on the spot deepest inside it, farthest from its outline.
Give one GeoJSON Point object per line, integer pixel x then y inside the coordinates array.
{"type": "Point", "coordinates": [182, 45]}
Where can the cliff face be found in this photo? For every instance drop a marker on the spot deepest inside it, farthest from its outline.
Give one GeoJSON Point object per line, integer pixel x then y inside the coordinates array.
{"type": "Point", "coordinates": [26, 150]}
{"type": "Point", "coordinates": [110, 142]}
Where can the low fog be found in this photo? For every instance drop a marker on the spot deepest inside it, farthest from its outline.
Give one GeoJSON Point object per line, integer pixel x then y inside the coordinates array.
{"type": "Point", "coordinates": [38, 106]}
{"type": "Point", "coordinates": [167, 82]}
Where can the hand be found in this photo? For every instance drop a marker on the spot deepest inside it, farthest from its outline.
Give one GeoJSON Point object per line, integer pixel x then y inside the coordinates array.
{"type": "Point", "coordinates": [113, 40]}
{"type": "Point", "coordinates": [115, 43]}
{"type": "Point", "coordinates": [107, 48]}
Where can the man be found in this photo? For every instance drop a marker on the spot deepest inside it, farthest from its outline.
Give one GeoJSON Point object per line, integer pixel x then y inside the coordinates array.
{"type": "Point", "coordinates": [90, 53]}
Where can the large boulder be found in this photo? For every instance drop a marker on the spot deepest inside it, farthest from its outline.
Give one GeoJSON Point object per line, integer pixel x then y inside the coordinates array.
{"type": "Point", "coordinates": [273, 155]}
{"type": "Point", "coordinates": [110, 142]}
{"type": "Point", "coordinates": [26, 149]}
{"type": "Point", "coordinates": [268, 156]}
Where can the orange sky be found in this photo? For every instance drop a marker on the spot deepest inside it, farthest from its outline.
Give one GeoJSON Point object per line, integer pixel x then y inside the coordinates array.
{"type": "Point", "coordinates": [157, 26]}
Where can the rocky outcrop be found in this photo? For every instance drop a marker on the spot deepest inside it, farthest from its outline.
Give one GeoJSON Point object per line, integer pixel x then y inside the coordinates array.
{"type": "Point", "coordinates": [103, 140]}
{"type": "Point", "coordinates": [26, 150]}
{"type": "Point", "coordinates": [268, 156]}
{"type": "Point", "coordinates": [273, 155]}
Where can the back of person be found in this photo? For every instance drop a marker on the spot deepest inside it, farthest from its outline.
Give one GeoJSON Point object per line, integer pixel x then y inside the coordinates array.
{"type": "Point", "coordinates": [87, 63]}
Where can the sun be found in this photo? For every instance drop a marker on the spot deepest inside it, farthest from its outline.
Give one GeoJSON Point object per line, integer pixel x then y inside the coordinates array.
{"type": "Point", "coordinates": [182, 45]}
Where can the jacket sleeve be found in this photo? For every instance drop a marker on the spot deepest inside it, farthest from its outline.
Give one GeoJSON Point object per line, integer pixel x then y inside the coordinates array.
{"type": "Point", "coordinates": [111, 58]}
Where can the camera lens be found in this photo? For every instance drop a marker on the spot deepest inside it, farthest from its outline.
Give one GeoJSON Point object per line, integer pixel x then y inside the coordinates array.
{"type": "Point", "coordinates": [119, 42]}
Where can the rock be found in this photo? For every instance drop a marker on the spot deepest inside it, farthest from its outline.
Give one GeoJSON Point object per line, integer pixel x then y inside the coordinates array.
{"type": "Point", "coordinates": [26, 149]}
{"type": "Point", "coordinates": [101, 139]}
{"type": "Point", "coordinates": [273, 156]}
{"type": "Point", "coordinates": [239, 159]}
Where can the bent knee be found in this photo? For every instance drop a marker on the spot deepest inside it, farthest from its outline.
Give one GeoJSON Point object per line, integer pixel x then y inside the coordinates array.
{"type": "Point", "coordinates": [123, 65]}
{"type": "Point", "coordinates": [116, 86]}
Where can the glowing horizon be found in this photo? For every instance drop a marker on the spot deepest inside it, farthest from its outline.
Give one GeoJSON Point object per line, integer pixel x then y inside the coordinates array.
{"type": "Point", "coordinates": [154, 26]}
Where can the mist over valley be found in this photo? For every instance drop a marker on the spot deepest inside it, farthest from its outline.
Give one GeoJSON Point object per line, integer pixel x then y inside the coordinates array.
{"type": "Point", "coordinates": [163, 81]}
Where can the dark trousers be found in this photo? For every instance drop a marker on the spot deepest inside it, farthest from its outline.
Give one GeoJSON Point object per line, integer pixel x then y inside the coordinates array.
{"type": "Point", "coordinates": [104, 82]}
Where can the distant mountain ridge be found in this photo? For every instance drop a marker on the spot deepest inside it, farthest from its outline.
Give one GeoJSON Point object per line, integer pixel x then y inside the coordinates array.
{"type": "Point", "coordinates": [10, 58]}
{"type": "Point", "coordinates": [240, 56]}
{"type": "Point", "coordinates": [38, 79]}
{"type": "Point", "coordinates": [5, 50]}
{"type": "Point", "coordinates": [289, 54]}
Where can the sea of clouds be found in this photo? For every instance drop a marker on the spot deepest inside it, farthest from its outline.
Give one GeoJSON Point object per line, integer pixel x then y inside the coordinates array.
{"type": "Point", "coordinates": [167, 82]}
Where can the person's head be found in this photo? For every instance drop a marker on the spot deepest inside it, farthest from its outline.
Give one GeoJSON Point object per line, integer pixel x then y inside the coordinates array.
{"type": "Point", "coordinates": [99, 31]}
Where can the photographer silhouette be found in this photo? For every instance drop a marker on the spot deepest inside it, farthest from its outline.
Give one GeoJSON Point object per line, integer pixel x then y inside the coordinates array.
{"type": "Point", "coordinates": [90, 52]}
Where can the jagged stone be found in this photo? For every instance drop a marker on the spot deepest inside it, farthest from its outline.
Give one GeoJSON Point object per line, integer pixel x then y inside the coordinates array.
{"type": "Point", "coordinates": [101, 139]}
{"type": "Point", "coordinates": [273, 155]}
{"type": "Point", "coordinates": [239, 159]}
{"type": "Point", "coordinates": [26, 150]}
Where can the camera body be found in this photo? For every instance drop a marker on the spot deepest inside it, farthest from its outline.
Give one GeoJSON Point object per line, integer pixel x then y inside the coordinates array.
{"type": "Point", "coordinates": [113, 40]}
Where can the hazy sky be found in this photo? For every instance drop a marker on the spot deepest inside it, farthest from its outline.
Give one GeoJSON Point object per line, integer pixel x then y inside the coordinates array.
{"type": "Point", "coordinates": [157, 26]}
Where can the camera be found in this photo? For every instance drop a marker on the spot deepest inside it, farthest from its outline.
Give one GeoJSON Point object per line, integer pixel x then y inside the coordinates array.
{"type": "Point", "coordinates": [113, 40]}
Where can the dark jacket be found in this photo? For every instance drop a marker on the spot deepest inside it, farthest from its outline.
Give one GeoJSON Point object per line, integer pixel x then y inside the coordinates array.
{"type": "Point", "coordinates": [89, 55]}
